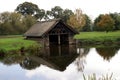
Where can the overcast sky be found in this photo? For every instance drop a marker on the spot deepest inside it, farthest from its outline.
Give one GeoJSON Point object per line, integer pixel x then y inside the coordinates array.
{"type": "Point", "coordinates": [90, 7]}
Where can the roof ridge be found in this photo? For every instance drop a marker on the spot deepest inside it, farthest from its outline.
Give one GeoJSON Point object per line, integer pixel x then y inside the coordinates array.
{"type": "Point", "coordinates": [50, 20]}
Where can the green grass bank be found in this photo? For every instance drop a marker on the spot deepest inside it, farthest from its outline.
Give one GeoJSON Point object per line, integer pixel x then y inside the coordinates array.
{"type": "Point", "coordinates": [14, 43]}
{"type": "Point", "coordinates": [98, 37]}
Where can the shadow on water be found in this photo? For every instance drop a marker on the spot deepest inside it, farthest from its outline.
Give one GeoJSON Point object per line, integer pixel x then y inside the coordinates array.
{"type": "Point", "coordinates": [55, 57]}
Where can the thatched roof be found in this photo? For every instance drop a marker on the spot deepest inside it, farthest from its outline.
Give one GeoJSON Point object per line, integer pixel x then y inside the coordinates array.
{"type": "Point", "coordinates": [40, 28]}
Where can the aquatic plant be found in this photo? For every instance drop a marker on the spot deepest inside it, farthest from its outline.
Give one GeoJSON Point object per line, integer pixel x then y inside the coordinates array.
{"type": "Point", "coordinates": [103, 77]}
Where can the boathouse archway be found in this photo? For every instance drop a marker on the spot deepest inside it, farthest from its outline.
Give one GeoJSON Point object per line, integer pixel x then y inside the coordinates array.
{"type": "Point", "coordinates": [59, 39]}
{"type": "Point", "coordinates": [53, 39]}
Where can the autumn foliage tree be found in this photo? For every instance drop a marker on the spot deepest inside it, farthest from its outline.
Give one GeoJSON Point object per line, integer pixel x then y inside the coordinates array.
{"type": "Point", "coordinates": [104, 23]}
{"type": "Point", "coordinates": [77, 20]}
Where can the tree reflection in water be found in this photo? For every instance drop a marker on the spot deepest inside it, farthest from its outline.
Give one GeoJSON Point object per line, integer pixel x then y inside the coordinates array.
{"type": "Point", "coordinates": [29, 64]}
{"type": "Point", "coordinates": [80, 60]}
{"type": "Point", "coordinates": [107, 52]}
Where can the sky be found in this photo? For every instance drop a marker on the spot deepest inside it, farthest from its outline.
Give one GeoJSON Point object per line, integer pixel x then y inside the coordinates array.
{"type": "Point", "coordinates": [92, 8]}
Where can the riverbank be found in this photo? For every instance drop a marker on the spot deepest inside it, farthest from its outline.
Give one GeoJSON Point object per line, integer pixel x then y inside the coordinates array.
{"type": "Point", "coordinates": [9, 43]}
{"type": "Point", "coordinates": [15, 42]}
{"type": "Point", "coordinates": [97, 38]}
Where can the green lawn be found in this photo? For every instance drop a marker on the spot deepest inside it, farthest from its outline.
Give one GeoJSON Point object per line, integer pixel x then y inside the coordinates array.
{"type": "Point", "coordinates": [14, 43]}
{"type": "Point", "coordinates": [98, 36]}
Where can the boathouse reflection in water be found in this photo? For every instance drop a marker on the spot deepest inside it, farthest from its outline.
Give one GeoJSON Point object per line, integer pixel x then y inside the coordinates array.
{"type": "Point", "coordinates": [56, 57]}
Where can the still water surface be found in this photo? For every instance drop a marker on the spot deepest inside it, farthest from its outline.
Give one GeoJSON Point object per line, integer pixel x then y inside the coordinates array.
{"type": "Point", "coordinates": [61, 63]}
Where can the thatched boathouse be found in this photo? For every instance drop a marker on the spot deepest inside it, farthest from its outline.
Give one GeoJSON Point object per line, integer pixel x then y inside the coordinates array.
{"type": "Point", "coordinates": [51, 32]}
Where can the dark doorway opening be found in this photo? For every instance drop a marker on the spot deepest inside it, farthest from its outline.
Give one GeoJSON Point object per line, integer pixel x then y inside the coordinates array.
{"type": "Point", "coordinates": [64, 39]}
{"type": "Point", "coordinates": [53, 39]}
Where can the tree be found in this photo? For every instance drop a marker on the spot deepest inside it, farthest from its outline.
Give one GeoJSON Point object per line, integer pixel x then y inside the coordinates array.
{"type": "Point", "coordinates": [88, 24]}
{"type": "Point", "coordinates": [15, 23]}
{"type": "Point", "coordinates": [4, 17]}
{"type": "Point", "coordinates": [28, 8]}
{"type": "Point", "coordinates": [56, 12]}
{"type": "Point", "coordinates": [5, 27]}
{"type": "Point", "coordinates": [40, 14]}
{"type": "Point", "coordinates": [28, 21]}
{"type": "Point", "coordinates": [77, 20]}
{"type": "Point", "coordinates": [104, 23]}
{"type": "Point", "coordinates": [116, 17]}
{"type": "Point", "coordinates": [96, 21]}
{"type": "Point", "coordinates": [11, 23]}
{"type": "Point", "coordinates": [66, 15]}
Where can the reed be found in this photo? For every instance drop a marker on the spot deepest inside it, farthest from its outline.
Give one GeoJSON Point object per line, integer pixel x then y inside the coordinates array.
{"type": "Point", "coordinates": [94, 77]}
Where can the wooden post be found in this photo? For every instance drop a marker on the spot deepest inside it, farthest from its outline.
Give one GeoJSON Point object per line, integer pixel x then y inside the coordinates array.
{"type": "Point", "coordinates": [59, 39]}
{"type": "Point", "coordinates": [59, 49]}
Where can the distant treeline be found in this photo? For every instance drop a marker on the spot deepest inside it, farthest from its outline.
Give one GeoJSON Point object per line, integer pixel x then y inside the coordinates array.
{"type": "Point", "coordinates": [27, 13]}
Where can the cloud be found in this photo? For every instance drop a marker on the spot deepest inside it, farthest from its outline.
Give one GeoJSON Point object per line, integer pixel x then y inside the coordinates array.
{"type": "Point", "coordinates": [69, 74]}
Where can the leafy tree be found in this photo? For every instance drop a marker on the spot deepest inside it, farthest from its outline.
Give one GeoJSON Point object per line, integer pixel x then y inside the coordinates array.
{"type": "Point", "coordinates": [66, 15]}
{"type": "Point", "coordinates": [96, 21]}
{"type": "Point", "coordinates": [40, 14]}
{"type": "Point", "coordinates": [77, 20]}
{"type": "Point", "coordinates": [116, 17]}
{"type": "Point", "coordinates": [104, 23]}
{"type": "Point", "coordinates": [28, 21]}
{"type": "Point", "coordinates": [47, 15]}
{"type": "Point", "coordinates": [58, 12]}
{"type": "Point", "coordinates": [15, 23]}
{"type": "Point", "coordinates": [4, 17]}
{"type": "Point", "coordinates": [28, 8]}
{"type": "Point", "coordinates": [5, 26]}
{"type": "Point", "coordinates": [54, 13]}
{"type": "Point", "coordinates": [88, 24]}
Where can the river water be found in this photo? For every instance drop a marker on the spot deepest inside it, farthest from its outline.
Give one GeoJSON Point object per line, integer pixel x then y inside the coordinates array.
{"type": "Point", "coordinates": [61, 63]}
